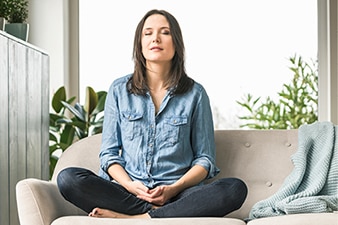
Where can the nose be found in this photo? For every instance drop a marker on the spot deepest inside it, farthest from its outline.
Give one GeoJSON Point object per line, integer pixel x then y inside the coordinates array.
{"type": "Point", "coordinates": [156, 39]}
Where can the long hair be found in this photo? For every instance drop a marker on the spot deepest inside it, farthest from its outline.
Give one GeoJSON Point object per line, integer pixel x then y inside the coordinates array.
{"type": "Point", "coordinates": [178, 82]}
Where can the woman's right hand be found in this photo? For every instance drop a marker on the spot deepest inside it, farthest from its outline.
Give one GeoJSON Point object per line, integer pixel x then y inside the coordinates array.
{"type": "Point", "coordinates": [118, 173]}
{"type": "Point", "coordinates": [136, 188]}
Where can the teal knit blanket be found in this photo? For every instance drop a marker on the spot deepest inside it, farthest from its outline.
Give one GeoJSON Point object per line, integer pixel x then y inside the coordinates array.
{"type": "Point", "coordinates": [312, 186]}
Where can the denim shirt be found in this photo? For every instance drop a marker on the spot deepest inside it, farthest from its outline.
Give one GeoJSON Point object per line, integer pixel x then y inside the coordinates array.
{"type": "Point", "coordinates": [157, 149]}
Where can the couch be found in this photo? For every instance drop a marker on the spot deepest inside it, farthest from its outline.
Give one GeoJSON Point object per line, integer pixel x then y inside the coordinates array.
{"type": "Point", "coordinates": [261, 158]}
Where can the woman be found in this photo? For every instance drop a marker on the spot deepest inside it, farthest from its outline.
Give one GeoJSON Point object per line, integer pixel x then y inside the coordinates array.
{"type": "Point", "coordinates": [158, 139]}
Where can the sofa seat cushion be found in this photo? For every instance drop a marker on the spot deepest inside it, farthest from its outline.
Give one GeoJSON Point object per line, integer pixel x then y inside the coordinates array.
{"type": "Point", "coordinates": [298, 219]}
{"type": "Point", "coordinates": [83, 220]}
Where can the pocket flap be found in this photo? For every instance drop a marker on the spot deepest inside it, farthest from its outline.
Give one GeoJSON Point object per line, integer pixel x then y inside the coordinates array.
{"type": "Point", "coordinates": [131, 116]}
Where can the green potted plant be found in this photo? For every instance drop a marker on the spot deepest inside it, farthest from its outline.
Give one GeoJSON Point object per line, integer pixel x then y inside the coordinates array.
{"type": "Point", "coordinates": [70, 122]}
{"type": "Point", "coordinates": [297, 103]}
{"type": "Point", "coordinates": [15, 12]}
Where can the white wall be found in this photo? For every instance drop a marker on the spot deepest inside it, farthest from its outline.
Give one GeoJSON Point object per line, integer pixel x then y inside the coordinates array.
{"type": "Point", "coordinates": [47, 32]}
{"type": "Point", "coordinates": [328, 60]}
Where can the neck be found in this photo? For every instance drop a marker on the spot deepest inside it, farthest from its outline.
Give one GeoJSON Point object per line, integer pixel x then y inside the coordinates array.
{"type": "Point", "coordinates": [157, 76]}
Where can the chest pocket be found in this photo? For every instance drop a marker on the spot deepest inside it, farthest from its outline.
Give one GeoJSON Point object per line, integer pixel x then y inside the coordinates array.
{"type": "Point", "coordinates": [172, 130]}
{"type": "Point", "coordinates": [131, 125]}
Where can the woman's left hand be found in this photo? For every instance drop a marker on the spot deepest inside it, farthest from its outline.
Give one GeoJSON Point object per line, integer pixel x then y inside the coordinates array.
{"type": "Point", "coordinates": [159, 195]}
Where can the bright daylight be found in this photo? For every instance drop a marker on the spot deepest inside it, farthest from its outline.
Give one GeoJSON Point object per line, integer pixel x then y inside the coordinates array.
{"type": "Point", "coordinates": [232, 47]}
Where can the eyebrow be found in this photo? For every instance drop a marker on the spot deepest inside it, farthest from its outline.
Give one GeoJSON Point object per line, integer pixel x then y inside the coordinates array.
{"type": "Point", "coordinates": [150, 28]}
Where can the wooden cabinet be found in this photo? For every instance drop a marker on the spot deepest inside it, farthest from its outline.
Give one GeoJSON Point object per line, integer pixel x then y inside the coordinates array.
{"type": "Point", "coordinates": [24, 119]}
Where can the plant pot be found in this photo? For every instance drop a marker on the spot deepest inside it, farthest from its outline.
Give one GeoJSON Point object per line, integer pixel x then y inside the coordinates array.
{"type": "Point", "coordinates": [2, 23]}
{"type": "Point", "coordinates": [19, 30]}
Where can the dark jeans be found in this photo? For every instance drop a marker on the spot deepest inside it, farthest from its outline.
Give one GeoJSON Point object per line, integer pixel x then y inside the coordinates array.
{"type": "Point", "coordinates": [86, 190]}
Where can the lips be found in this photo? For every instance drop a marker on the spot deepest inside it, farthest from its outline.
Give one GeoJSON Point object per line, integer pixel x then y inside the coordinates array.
{"type": "Point", "coordinates": [156, 48]}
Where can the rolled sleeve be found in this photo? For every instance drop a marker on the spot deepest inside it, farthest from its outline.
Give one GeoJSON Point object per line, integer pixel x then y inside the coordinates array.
{"type": "Point", "coordinates": [208, 165]}
{"type": "Point", "coordinates": [203, 141]}
{"type": "Point", "coordinates": [111, 137]}
{"type": "Point", "coordinates": [107, 161]}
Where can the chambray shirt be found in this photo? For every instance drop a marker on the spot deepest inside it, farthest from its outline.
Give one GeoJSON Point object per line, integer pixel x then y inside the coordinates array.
{"type": "Point", "coordinates": [157, 149]}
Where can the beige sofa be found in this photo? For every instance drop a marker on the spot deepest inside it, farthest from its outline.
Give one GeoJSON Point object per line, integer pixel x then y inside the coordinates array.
{"type": "Point", "coordinates": [260, 157]}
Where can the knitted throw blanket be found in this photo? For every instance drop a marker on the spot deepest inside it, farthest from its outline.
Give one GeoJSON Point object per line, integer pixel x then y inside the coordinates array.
{"type": "Point", "coordinates": [312, 186]}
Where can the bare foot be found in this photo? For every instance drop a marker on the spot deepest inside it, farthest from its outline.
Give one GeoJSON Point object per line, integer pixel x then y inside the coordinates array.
{"type": "Point", "coordinates": [106, 213]}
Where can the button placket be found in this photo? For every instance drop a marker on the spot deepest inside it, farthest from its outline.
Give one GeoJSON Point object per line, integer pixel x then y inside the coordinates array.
{"type": "Point", "coordinates": [150, 146]}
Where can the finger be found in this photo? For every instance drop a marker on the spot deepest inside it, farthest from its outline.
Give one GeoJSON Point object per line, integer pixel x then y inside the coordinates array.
{"type": "Point", "coordinates": [143, 193]}
{"type": "Point", "coordinates": [156, 192]}
{"type": "Point", "coordinates": [142, 188]}
{"type": "Point", "coordinates": [145, 198]}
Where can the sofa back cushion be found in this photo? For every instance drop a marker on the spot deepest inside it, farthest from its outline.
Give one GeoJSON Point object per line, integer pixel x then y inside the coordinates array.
{"type": "Point", "coordinates": [261, 158]}
{"type": "Point", "coordinates": [83, 153]}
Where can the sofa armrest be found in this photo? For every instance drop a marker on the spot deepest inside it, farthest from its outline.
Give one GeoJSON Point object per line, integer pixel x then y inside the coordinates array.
{"type": "Point", "coordinates": [40, 202]}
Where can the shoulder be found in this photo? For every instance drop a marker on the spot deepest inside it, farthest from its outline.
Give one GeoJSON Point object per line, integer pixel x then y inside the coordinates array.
{"type": "Point", "coordinates": [198, 88]}
{"type": "Point", "coordinates": [120, 82]}
{"type": "Point", "coordinates": [199, 93]}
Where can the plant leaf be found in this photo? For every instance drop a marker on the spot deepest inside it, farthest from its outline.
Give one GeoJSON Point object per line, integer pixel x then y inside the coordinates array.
{"type": "Point", "coordinates": [67, 136]}
{"type": "Point", "coordinates": [74, 111]}
{"type": "Point", "coordinates": [100, 105]}
{"type": "Point", "coordinates": [59, 96]}
{"type": "Point", "coordinates": [91, 100]}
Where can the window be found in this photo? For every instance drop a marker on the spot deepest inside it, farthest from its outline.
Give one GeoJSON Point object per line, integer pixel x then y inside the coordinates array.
{"type": "Point", "coordinates": [232, 47]}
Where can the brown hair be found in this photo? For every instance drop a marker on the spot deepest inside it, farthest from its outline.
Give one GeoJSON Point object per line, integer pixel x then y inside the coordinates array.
{"type": "Point", "coordinates": [178, 81]}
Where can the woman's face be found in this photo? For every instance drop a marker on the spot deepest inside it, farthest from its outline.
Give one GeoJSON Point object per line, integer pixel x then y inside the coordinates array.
{"type": "Point", "coordinates": [157, 44]}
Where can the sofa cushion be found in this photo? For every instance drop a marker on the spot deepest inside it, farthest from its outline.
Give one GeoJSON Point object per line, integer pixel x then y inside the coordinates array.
{"type": "Point", "coordinates": [261, 158]}
{"type": "Point", "coordinates": [83, 220]}
{"type": "Point", "coordinates": [40, 202]}
{"type": "Point", "coordinates": [83, 153]}
{"type": "Point", "coordinates": [299, 219]}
